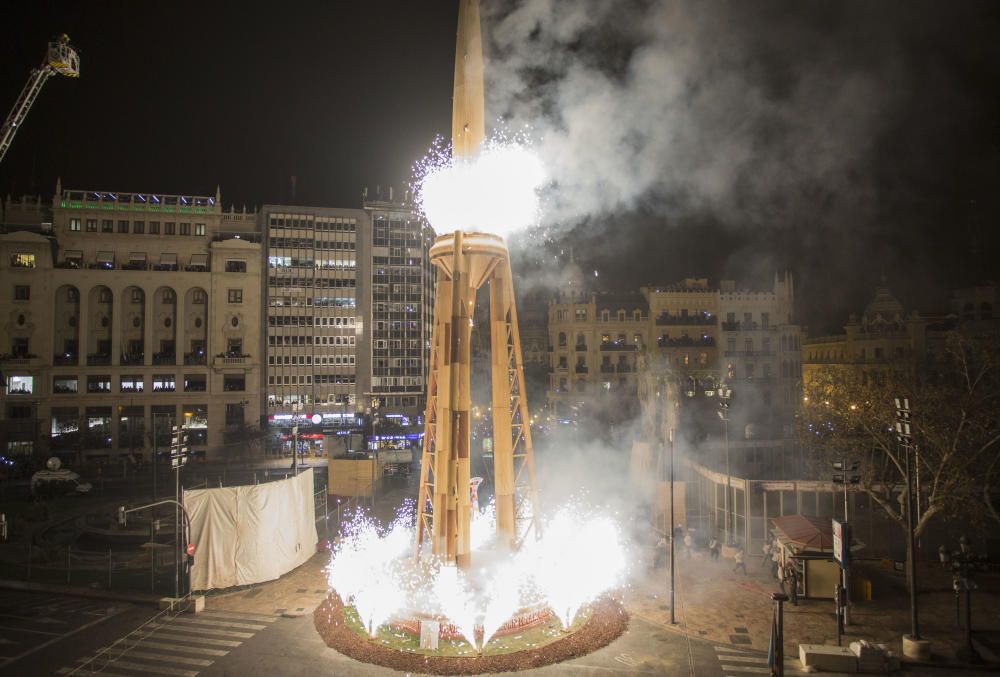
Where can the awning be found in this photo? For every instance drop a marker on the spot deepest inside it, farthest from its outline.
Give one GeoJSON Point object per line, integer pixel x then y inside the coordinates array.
{"type": "Point", "coordinates": [137, 256]}
{"type": "Point", "coordinates": [73, 254]}
{"type": "Point", "coordinates": [804, 534]}
{"type": "Point", "coordinates": [168, 259]}
{"type": "Point", "coordinates": [199, 260]}
{"type": "Point", "coordinates": [105, 257]}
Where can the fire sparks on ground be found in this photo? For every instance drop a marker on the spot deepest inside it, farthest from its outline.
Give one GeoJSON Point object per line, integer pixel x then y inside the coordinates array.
{"type": "Point", "coordinates": [580, 556]}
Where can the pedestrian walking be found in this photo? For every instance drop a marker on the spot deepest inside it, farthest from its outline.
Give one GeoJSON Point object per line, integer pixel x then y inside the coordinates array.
{"type": "Point", "coordinates": [661, 551]}
{"type": "Point", "coordinates": [767, 548]}
{"type": "Point", "coordinates": [713, 548]}
{"type": "Point", "coordinates": [740, 562]}
{"type": "Point", "coordinates": [688, 544]}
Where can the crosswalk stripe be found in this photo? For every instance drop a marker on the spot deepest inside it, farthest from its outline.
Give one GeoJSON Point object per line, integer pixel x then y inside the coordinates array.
{"type": "Point", "coordinates": [163, 634]}
{"type": "Point", "coordinates": [204, 631]}
{"type": "Point", "coordinates": [85, 671]}
{"type": "Point", "coordinates": [236, 616]}
{"type": "Point", "coordinates": [733, 649]}
{"type": "Point", "coordinates": [219, 624]}
{"type": "Point", "coordinates": [145, 667]}
{"type": "Point", "coordinates": [746, 668]}
{"type": "Point", "coordinates": [187, 649]}
{"type": "Point", "coordinates": [166, 657]}
{"type": "Point", "coordinates": [744, 659]}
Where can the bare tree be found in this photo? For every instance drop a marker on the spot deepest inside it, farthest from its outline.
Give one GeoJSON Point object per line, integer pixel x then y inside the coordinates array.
{"type": "Point", "coordinates": [955, 400]}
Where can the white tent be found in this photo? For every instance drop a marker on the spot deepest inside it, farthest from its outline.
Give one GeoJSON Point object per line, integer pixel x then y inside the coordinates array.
{"type": "Point", "coordinates": [250, 534]}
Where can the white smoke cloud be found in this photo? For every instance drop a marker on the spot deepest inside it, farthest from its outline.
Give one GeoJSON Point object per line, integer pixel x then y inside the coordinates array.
{"type": "Point", "coordinates": [750, 112]}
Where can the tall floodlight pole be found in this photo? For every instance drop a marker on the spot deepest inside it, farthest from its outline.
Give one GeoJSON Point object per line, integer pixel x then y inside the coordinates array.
{"type": "Point", "coordinates": [904, 436]}
{"type": "Point", "coordinates": [725, 393]}
{"type": "Point", "coordinates": [673, 558]}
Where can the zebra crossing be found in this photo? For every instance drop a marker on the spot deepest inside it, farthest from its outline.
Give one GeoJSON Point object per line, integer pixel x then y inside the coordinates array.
{"type": "Point", "coordinates": [736, 662]}
{"type": "Point", "coordinates": [173, 645]}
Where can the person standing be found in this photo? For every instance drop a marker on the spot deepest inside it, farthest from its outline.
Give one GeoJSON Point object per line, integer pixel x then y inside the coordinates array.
{"type": "Point", "coordinates": [713, 548]}
{"type": "Point", "coordinates": [792, 577]}
{"type": "Point", "coordinates": [688, 544]}
{"type": "Point", "coordinates": [740, 562]}
{"type": "Point", "coordinates": [781, 580]}
{"type": "Point", "coordinates": [768, 549]}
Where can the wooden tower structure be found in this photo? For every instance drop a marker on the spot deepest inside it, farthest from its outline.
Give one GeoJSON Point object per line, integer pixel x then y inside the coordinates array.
{"type": "Point", "coordinates": [465, 261]}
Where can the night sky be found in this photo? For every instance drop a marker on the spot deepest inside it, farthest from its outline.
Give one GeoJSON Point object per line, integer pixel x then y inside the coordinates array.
{"type": "Point", "coordinates": [842, 141]}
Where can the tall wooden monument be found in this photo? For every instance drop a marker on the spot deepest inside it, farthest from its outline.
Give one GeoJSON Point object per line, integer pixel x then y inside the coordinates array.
{"type": "Point", "coordinates": [465, 261]}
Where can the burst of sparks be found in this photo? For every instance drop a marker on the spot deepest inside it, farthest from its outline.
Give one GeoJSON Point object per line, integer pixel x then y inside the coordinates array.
{"type": "Point", "coordinates": [580, 556]}
{"type": "Point", "coordinates": [496, 192]}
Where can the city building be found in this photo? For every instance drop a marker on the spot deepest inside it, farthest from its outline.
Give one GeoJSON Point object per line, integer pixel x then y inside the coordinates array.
{"type": "Point", "coordinates": [604, 346]}
{"type": "Point", "coordinates": [348, 319]}
{"type": "Point", "coordinates": [127, 314]}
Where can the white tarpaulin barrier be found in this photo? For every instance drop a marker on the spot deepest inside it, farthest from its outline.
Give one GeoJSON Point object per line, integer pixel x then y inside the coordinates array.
{"type": "Point", "coordinates": [251, 534]}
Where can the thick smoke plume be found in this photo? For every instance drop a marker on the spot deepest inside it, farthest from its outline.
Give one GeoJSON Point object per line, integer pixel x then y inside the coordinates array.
{"type": "Point", "coordinates": [746, 113]}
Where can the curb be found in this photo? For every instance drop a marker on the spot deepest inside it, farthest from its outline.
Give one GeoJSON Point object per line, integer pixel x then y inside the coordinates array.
{"type": "Point", "coordinates": [73, 591]}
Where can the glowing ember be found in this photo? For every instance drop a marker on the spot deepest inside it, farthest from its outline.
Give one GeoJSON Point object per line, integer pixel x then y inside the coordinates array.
{"type": "Point", "coordinates": [495, 192]}
{"type": "Point", "coordinates": [580, 556]}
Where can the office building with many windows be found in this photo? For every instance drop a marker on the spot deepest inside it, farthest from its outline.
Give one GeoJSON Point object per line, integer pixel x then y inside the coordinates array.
{"type": "Point", "coordinates": [125, 314]}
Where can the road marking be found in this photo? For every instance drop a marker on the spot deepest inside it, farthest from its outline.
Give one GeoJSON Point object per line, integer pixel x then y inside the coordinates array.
{"type": "Point", "coordinates": [84, 671]}
{"type": "Point", "coordinates": [162, 657]}
{"type": "Point", "coordinates": [60, 637]}
{"type": "Point", "coordinates": [144, 667]}
{"type": "Point", "coordinates": [236, 616]}
{"type": "Point", "coordinates": [38, 632]}
{"type": "Point", "coordinates": [163, 634]}
{"type": "Point", "coordinates": [219, 624]}
{"type": "Point", "coordinates": [744, 659]}
{"type": "Point", "coordinates": [746, 668]}
{"type": "Point", "coordinates": [204, 631]}
{"type": "Point", "coordinates": [189, 649]}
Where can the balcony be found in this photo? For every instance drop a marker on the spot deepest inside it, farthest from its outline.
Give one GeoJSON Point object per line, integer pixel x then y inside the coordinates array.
{"type": "Point", "coordinates": [749, 353]}
{"type": "Point", "coordinates": [624, 369]}
{"type": "Point", "coordinates": [618, 345]}
{"type": "Point", "coordinates": [98, 359]}
{"type": "Point", "coordinates": [607, 368]}
{"type": "Point", "coordinates": [64, 359]}
{"type": "Point", "coordinates": [581, 347]}
{"type": "Point", "coordinates": [197, 357]}
{"type": "Point", "coordinates": [228, 361]}
{"type": "Point", "coordinates": [132, 359]}
{"type": "Point", "coordinates": [581, 369]}
{"type": "Point", "coordinates": [704, 319]}
{"type": "Point", "coordinates": [685, 342]}
{"type": "Point", "coordinates": [24, 361]}
{"type": "Point", "coordinates": [164, 358]}
{"type": "Point", "coordinates": [739, 326]}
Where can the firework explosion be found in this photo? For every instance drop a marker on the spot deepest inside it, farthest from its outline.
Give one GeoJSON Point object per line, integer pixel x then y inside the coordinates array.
{"type": "Point", "coordinates": [580, 556]}
{"type": "Point", "coordinates": [496, 192]}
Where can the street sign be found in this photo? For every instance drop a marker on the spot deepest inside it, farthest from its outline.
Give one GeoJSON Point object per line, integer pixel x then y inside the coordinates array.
{"type": "Point", "coordinates": [841, 542]}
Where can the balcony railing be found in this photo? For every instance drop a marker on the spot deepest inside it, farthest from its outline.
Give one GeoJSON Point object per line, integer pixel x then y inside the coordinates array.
{"type": "Point", "coordinates": [607, 368]}
{"type": "Point", "coordinates": [618, 345]}
{"type": "Point", "coordinates": [164, 358]}
{"type": "Point", "coordinates": [231, 361]}
{"type": "Point", "coordinates": [27, 360]}
{"type": "Point", "coordinates": [749, 353]}
{"type": "Point", "coordinates": [132, 359]}
{"type": "Point", "coordinates": [581, 370]}
{"type": "Point", "coordinates": [739, 326]}
{"type": "Point", "coordinates": [64, 359]}
{"type": "Point", "coordinates": [195, 358]}
{"type": "Point", "coordinates": [195, 387]}
{"type": "Point", "coordinates": [98, 359]}
{"type": "Point", "coordinates": [685, 342]}
{"type": "Point", "coordinates": [624, 369]}
{"type": "Point", "coordinates": [704, 319]}
{"type": "Point", "coordinates": [581, 347]}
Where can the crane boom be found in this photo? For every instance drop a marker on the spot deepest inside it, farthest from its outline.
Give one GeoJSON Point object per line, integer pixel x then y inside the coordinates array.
{"type": "Point", "coordinates": [60, 59]}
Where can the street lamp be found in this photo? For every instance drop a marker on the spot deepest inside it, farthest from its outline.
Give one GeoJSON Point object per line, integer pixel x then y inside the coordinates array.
{"type": "Point", "coordinates": [918, 648]}
{"type": "Point", "coordinates": [725, 393]}
{"type": "Point", "coordinates": [846, 475]}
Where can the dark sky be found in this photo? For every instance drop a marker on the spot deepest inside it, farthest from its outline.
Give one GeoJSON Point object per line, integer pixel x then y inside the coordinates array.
{"type": "Point", "coordinates": [841, 140]}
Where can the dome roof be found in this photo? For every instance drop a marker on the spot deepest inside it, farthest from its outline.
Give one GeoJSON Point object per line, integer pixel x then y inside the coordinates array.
{"type": "Point", "coordinates": [884, 305]}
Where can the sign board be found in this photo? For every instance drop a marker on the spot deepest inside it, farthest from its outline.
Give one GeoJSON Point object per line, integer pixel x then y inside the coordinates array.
{"type": "Point", "coordinates": [841, 542]}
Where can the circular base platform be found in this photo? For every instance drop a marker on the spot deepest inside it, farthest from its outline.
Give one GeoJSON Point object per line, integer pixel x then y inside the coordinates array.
{"type": "Point", "coordinates": [607, 621]}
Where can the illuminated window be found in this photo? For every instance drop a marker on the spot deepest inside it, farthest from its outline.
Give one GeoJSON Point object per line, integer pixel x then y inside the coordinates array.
{"type": "Point", "coordinates": [20, 385]}
{"type": "Point", "coordinates": [22, 260]}
{"type": "Point", "coordinates": [199, 229]}
{"type": "Point", "coordinates": [74, 225]}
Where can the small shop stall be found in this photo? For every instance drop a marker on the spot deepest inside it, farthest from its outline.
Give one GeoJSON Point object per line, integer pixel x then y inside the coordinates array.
{"type": "Point", "coordinates": [807, 542]}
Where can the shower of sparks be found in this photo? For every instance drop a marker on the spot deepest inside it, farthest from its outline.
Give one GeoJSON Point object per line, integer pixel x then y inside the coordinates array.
{"type": "Point", "coordinates": [496, 192]}
{"type": "Point", "coordinates": [580, 556]}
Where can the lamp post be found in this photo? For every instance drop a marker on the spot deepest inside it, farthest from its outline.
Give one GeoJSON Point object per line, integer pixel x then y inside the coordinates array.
{"type": "Point", "coordinates": [725, 394]}
{"type": "Point", "coordinates": [913, 645]}
{"type": "Point", "coordinates": [845, 475]}
{"type": "Point", "coordinates": [296, 407]}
